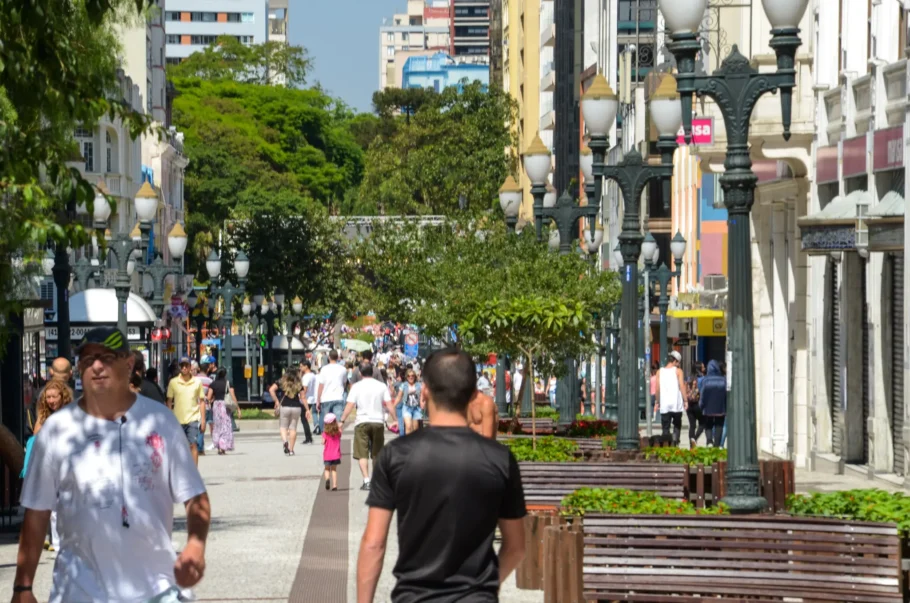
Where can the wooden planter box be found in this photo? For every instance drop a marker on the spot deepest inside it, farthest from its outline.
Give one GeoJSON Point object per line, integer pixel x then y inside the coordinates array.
{"type": "Point", "coordinates": [529, 575]}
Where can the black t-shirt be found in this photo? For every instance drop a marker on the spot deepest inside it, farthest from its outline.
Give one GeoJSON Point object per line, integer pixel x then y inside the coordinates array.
{"type": "Point", "coordinates": [151, 390]}
{"type": "Point", "coordinates": [449, 486]}
{"type": "Point", "coordinates": [287, 401]}
{"type": "Point", "coordinates": [219, 389]}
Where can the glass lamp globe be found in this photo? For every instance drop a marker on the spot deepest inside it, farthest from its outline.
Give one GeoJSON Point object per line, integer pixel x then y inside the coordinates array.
{"type": "Point", "coordinates": [587, 164]}
{"type": "Point", "coordinates": [146, 203]}
{"type": "Point", "coordinates": [537, 162]}
{"type": "Point", "coordinates": [785, 14]}
{"type": "Point", "coordinates": [279, 297]}
{"type": "Point", "coordinates": [678, 246]}
{"type": "Point", "coordinates": [683, 16]}
{"type": "Point", "coordinates": [191, 299]}
{"type": "Point", "coordinates": [593, 244]}
{"type": "Point", "coordinates": [176, 241]}
{"type": "Point", "coordinates": [246, 307]}
{"type": "Point", "coordinates": [510, 197]}
{"type": "Point", "coordinates": [258, 298]}
{"type": "Point", "coordinates": [101, 209]}
{"type": "Point", "coordinates": [131, 266]}
{"type": "Point", "coordinates": [81, 209]}
{"type": "Point", "coordinates": [648, 246]}
{"type": "Point", "coordinates": [297, 305]}
{"type": "Point", "coordinates": [666, 110]}
{"type": "Point", "coordinates": [550, 198]}
{"type": "Point", "coordinates": [553, 242]}
{"type": "Point", "coordinates": [599, 106]}
{"type": "Point", "coordinates": [47, 262]}
{"type": "Point", "coordinates": [213, 265]}
{"type": "Point", "coordinates": [242, 265]}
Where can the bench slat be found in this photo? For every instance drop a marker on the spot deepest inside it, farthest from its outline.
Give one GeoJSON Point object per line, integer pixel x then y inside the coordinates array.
{"type": "Point", "coordinates": [650, 554]}
{"type": "Point", "coordinates": [783, 563]}
{"type": "Point", "coordinates": [699, 593]}
{"type": "Point", "coordinates": [730, 534]}
{"type": "Point", "coordinates": [846, 549]}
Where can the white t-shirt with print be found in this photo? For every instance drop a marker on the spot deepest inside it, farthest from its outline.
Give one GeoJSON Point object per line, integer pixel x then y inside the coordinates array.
{"type": "Point", "coordinates": [333, 377]}
{"type": "Point", "coordinates": [369, 395]}
{"type": "Point", "coordinates": [99, 475]}
{"type": "Point", "coordinates": [309, 381]}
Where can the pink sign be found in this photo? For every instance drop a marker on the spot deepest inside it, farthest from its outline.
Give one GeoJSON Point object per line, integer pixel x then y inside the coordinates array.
{"type": "Point", "coordinates": [855, 156]}
{"type": "Point", "coordinates": [888, 149]}
{"type": "Point", "coordinates": [826, 164]}
{"type": "Point", "coordinates": [702, 131]}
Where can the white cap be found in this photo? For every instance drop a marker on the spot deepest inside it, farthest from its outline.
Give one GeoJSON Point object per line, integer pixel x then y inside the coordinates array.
{"type": "Point", "coordinates": [676, 356]}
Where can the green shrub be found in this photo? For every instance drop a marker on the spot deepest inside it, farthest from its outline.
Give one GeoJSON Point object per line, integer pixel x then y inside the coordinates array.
{"type": "Point", "coordinates": [582, 417]}
{"type": "Point", "coordinates": [591, 429]}
{"type": "Point", "coordinates": [364, 336]}
{"type": "Point", "coordinates": [707, 456]}
{"type": "Point", "coordinates": [629, 502]}
{"type": "Point", "coordinates": [610, 442]}
{"type": "Point", "coordinates": [863, 505]}
{"type": "Point", "coordinates": [549, 450]}
{"type": "Point", "coordinates": [545, 412]}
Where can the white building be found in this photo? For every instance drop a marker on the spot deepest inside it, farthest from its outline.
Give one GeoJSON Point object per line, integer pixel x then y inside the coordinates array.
{"type": "Point", "coordinates": [423, 30]}
{"type": "Point", "coordinates": [191, 25]}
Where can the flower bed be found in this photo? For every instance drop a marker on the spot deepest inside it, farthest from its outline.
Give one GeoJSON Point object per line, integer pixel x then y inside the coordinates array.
{"type": "Point", "coordinates": [591, 429]}
{"type": "Point", "coordinates": [706, 456]}
{"type": "Point", "coordinates": [629, 502]}
{"type": "Point", "coordinates": [549, 450]}
{"type": "Point", "coordinates": [864, 505]}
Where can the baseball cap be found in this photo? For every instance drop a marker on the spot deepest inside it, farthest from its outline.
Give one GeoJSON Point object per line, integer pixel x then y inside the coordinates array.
{"type": "Point", "coordinates": [184, 360]}
{"type": "Point", "coordinates": [330, 418]}
{"type": "Point", "coordinates": [676, 356]}
{"type": "Point", "coordinates": [109, 337]}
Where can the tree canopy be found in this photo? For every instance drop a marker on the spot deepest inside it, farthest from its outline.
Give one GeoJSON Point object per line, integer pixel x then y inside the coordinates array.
{"type": "Point", "coordinates": [230, 59]}
{"type": "Point", "coordinates": [448, 150]}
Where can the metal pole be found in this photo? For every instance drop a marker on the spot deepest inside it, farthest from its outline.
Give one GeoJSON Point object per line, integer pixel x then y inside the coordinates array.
{"type": "Point", "coordinates": [228, 318]}
{"type": "Point", "coordinates": [61, 274]}
{"type": "Point", "coordinates": [501, 384]}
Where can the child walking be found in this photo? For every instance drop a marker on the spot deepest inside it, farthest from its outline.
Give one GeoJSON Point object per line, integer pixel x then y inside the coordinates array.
{"type": "Point", "coordinates": [331, 450]}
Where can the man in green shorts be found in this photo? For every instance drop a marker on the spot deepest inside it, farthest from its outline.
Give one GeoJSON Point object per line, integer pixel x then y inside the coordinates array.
{"type": "Point", "coordinates": [369, 396]}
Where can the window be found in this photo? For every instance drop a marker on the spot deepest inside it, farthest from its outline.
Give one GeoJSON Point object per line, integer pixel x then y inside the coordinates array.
{"type": "Point", "coordinates": [107, 153]}
{"type": "Point", "coordinates": [247, 18]}
{"type": "Point", "coordinates": [245, 39]}
{"type": "Point", "coordinates": [404, 37]}
{"type": "Point", "coordinates": [390, 51]}
{"type": "Point", "coordinates": [472, 31]}
{"type": "Point", "coordinates": [82, 132]}
{"type": "Point", "coordinates": [390, 37]}
{"type": "Point", "coordinates": [172, 15]}
{"type": "Point", "coordinates": [209, 17]}
{"type": "Point", "coordinates": [203, 40]}
{"type": "Point", "coordinates": [173, 60]}
{"type": "Point", "coordinates": [173, 39]}
{"type": "Point", "coordinates": [233, 17]}
{"type": "Point", "coordinates": [88, 152]}
{"type": "Point", "coordinates": [646, 15]}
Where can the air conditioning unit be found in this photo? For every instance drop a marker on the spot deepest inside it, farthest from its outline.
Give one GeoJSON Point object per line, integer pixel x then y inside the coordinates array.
{"type": "Point", "coordinates": [715, 282]}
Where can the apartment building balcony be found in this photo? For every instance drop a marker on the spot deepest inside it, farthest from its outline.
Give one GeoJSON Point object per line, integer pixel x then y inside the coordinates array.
{"type": "Point", "coordinates": [548, 81]}
{"type": "Point", "coordinates": [894, 79]}
{"type": "Point", "coordinates": [547, 113]}
{"type": "Point", "coordinates": [547, 25]}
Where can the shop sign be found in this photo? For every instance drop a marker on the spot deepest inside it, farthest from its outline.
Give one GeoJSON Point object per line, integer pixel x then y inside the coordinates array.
{"type": "Point", "coordinates": [888, 149]}
{"type": "Point", "coordinates": [855, 156]}
{"type": "Point", "coordinates": [77, 333]}
{"type": "Point", "coordinates": [702, 131]}
{"type": "Point", "coordinates": [826, 164]}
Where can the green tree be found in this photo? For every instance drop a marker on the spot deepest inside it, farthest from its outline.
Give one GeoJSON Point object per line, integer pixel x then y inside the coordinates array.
{"type": "Point", "coordinates": [230, 59]}
{"type": "Point", "coordinates": [454, 149]}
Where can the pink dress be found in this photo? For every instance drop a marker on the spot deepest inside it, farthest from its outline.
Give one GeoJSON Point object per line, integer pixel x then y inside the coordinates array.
{"type": "Point", "coordinates": [331, 449]}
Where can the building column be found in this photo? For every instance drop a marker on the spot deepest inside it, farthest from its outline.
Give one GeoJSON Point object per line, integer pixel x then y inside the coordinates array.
{"type": "Point", "coordinates": [799, 295]}
{"type": "Point", "coordinates": [763, 318]}
{"type": "Point", "coordinates": [878, 296]}
{"type": "Point", "coordinates": [780, 347]}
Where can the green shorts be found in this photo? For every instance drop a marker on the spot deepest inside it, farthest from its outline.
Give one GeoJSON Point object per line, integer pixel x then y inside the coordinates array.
{"type": "Point", "coordinates": [368, 440]}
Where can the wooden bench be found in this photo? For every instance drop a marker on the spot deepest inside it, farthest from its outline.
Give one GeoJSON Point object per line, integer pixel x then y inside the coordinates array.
{"type": "Point", "coordinates": [549, 483]}
{"type": "Point", "coordinates": [543, 426]}
{"type": "Point", "coordinates": [683, 558]}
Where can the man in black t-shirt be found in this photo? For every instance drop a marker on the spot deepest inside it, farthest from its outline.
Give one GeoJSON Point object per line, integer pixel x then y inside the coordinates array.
{"type": "Point", "coordinates": [451, 488]}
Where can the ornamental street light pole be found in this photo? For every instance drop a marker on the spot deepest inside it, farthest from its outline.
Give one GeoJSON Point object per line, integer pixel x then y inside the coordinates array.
{"type": "Point", "coordinates": [661, 277]}
{"type": "Point", "coordinates": [632, 175]}
{"type": "Point", "coordinates": [292, 318]}
{"type": "Point", "coordinates": [228, 291]}
{"type": "Point", "coordinates": [736, 88]}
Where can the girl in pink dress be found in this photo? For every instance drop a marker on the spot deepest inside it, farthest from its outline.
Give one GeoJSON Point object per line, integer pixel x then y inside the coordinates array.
{"type": "Point", "coordinates": [331, 450]}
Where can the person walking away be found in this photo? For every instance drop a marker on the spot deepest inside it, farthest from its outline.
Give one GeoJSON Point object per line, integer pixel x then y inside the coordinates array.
{"type": "Point", "coordinates": [146, 387]}
{"type": "Point", "coordinates": [55, 395]}
{"type": "Point", "coordinates": [409, 398]}
{"type": "Point", "coordinates": [309, 395]}
{"type": "Point", "coordinates": [222, 431]}
{"type": "Point", "coordinates": [451, 489]}
{"type": "Point", "coordinates": [368, 397]}
{"type": "Point", "coordinates": [697, 423]}
{"type": "Point", "coordinates": [333, 378]}
{"type": "Point", "coordinates": [483, 416]}
{"type": "Point", "coordinates": [331, 451]}
{"type": "Point", "coordinates": [484, 385]}
{"type": "Point", "coordinates": [288, 396]}
{"type": "Point", "coordinates": [654, 368]}
{"type": "Point", "coordinates": [117, 462]}
{"type": "Point", "coordinates": [714, 403]}
{"type": "Point", "coordinates": [186, 398]}
{"type": "Point", "coordinates": [671, 396]}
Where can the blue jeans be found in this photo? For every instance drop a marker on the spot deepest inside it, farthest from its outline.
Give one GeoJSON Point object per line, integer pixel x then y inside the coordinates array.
{"type": "Point", "coordinates": [335, 407]}
{"type": "Point", "coordinates": [399, 413]}
{"type": "Point", "coordinates": [723, 438]}
{"type": "Point", "coordinates": [411, 412]}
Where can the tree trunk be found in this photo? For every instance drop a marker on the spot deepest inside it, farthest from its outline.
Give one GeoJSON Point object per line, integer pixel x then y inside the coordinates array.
{"type": "Point", "coordinates": [530, 377]}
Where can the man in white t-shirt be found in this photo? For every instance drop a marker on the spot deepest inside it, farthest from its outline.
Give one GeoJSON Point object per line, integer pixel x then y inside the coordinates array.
{"type": "Point", "coordinates": [368, 395]}
{"type": "Point", "coordinates": [112, 465]}
{"type": "Point", "coordinates": [309, 381]}
{"type": "Point", "coordinates": [333, 379]}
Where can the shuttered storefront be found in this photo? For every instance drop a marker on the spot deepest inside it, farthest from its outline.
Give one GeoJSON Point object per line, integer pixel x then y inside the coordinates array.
{"type": "Point", "coordinates": [897, 356]}
{"type": "Point", "coordinates": [837, 413]}
{"type": "Point", "coordinates": [864, 328]}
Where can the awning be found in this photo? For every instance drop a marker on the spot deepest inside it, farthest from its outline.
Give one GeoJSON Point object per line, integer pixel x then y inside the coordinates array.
{"type": "Point", "coordinates": [834, 227]}
{"type": "Point", "coordinates": [886, 223]}
{"type": "Point", "coordinates": [699, 313]}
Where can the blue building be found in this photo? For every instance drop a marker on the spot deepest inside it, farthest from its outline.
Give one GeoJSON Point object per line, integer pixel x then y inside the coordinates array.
{"type": "Point", "coordinates": [440, 71]}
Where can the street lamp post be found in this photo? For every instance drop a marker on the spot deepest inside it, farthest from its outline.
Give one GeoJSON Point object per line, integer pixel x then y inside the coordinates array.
{"type": "Point", "coordinates": [632, 175]}
{"type": "Point", "coordinates": [510, 195]}
{"type": "Point", "coordinates": [736, 88]}
{"type": "Point", "coordinates": [228, 291]}
{"type": "Point", "coordinates": [662, 276]}
{"type": "Point", "coordinates": [290, 319]}
{"type": "Point", "coordinates": [565, 214]}
{"type": "Point", "coordinates": [123, 247]}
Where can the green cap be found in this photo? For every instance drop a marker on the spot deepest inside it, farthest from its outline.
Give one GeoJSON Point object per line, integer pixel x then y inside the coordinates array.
{"type": "Point", "coordinates": [109, 337]}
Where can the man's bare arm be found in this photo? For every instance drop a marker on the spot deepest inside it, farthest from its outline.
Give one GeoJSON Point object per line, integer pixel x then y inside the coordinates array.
{"type": "Point", "coordinates": [190, 565]}
{"type": "Point", "coordinates": [31, 543]}
{"type": "Point", "coordinates": [490, 418]}
{"type": "Point", "coordinates": [372, 553]}
{"type": "Point", "coordinates": [512, 550]}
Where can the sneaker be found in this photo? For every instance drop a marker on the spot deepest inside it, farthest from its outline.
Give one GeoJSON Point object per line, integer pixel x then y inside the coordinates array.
{"type": "Point", "coordinates": [693, 444]}
{"type": "Point", "coordinates": [365, 486]}
{"type": "Point", "coordinates": [47, 545]}
{"type": "Point", "coordinates": [286, 449]}
{"type": "Point", "coordinates": [210, 447]}
{"type": "Point", "coordinates": [50, 548]}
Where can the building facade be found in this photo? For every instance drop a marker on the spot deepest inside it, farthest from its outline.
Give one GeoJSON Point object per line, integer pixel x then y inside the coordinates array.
{"type": "Point", "coordinates": [423, 30]}
{"type": "Point", "coordinates": [470, 28]}
{"type": "Point", "coordinates": [441, 71]}
{"type": "Point", "coordinates": [191, 25]}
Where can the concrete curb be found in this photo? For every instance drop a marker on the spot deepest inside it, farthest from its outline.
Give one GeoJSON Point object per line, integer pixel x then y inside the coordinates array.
{"type": "Point", "coordinates": [247, 425]}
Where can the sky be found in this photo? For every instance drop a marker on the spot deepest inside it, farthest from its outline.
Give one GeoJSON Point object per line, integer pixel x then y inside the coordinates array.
{"type": "Point", "coordinates": [342, 37]}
